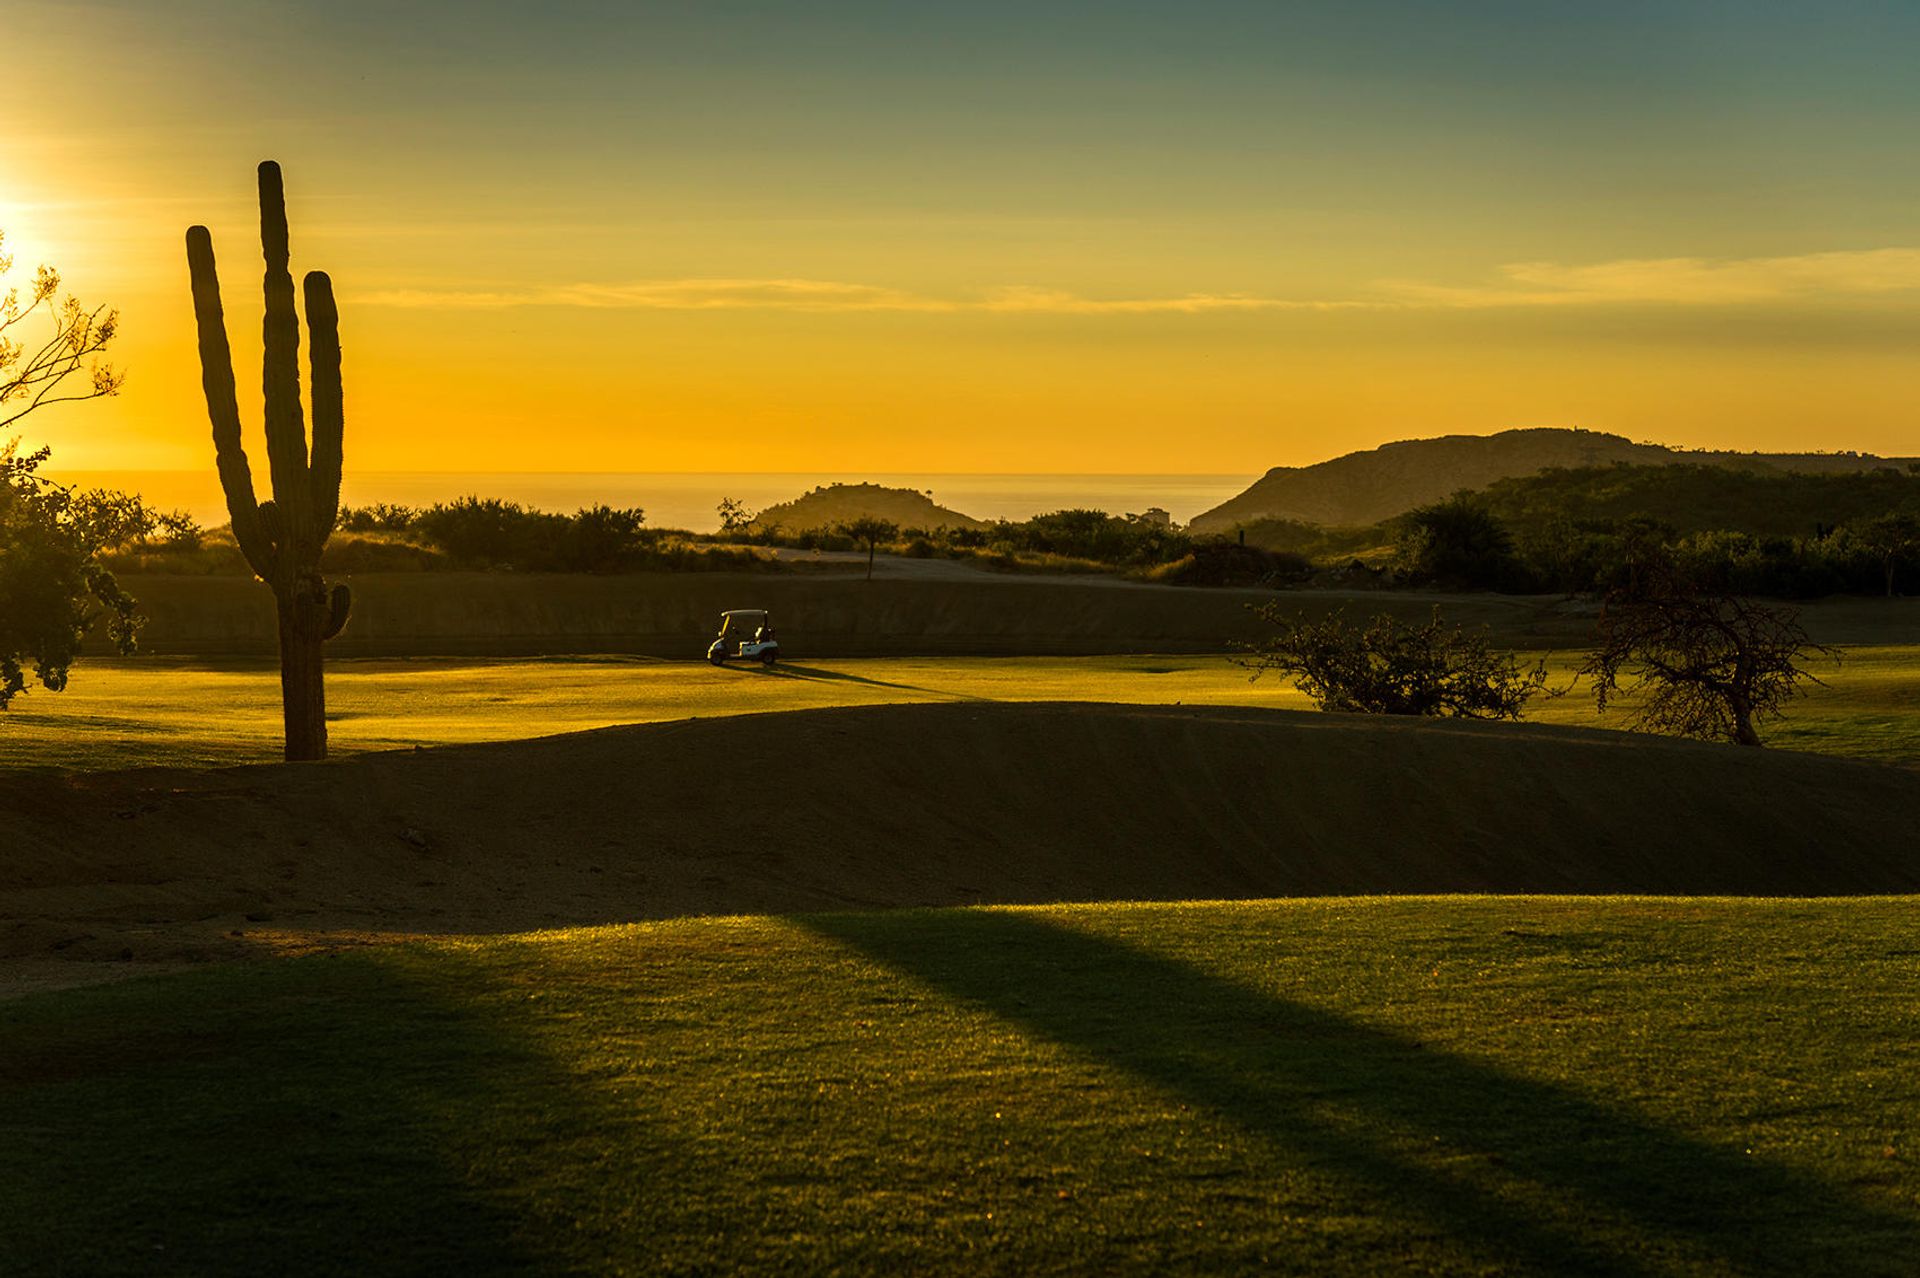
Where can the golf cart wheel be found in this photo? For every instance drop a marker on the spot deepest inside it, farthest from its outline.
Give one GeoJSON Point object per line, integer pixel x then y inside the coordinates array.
{"type": "Point", "coordinates": [769, 657]}
{"type": "Point", "coordinates": [717, 659]}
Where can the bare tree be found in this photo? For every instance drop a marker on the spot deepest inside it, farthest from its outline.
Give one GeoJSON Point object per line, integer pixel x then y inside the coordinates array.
{"type": "Point", "coordinates": [1701, 663]}
{"type": "Point", "coordinates": [35, 368]}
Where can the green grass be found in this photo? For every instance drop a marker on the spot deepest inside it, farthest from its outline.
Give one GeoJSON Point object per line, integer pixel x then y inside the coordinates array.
{"type": "Point", "coordinates": [153, 711]}
{"type": "Point", "coordinates": [1490, 1085]}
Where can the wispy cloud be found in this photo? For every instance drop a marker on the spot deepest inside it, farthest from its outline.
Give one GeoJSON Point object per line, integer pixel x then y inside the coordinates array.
{"type": "Point", "coordinates": [1674, 281]}
{"type": "Point", "coordinates": [1683, 281]}
{"type": "Point", "coordinates": [826, 296]}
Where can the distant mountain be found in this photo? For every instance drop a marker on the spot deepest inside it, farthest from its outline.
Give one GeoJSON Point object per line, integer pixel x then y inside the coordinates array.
{"type": "Point", "coordinates": [841, 503]}
{"type": "Point", "coordinates": [1365, 488]}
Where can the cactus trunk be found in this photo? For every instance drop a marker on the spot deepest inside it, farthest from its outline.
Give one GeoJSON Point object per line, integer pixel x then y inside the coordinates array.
{"type": "Point", "coordinates": [303, 691]}
{"type": "Point", "coordinates": [282, 539]}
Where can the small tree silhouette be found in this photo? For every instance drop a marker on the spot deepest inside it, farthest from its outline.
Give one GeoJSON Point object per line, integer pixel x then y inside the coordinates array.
{"type": "Point", "coordinates": [1708, 663]}
{"type": "Point", "coordinates": [1892, 539]}
{"type": "Point", "coordinates": [872, 530]}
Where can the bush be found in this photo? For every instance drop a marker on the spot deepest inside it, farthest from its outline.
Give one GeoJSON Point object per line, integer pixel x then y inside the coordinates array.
{"type": "Point", "coordinates": [380, 517]}
{"type": "Point", "coordinates": [1389, 667]}
{"type": "Point", "coordinates": [1095, 535]}
{"type": "Point", "coordinates": [1459, 543]}
{"type": "Point", "coordinates": [1223, 563]}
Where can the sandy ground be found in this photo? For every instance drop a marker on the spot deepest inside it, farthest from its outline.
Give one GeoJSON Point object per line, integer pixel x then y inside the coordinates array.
{"type": "Point", "coordinates": [874, 807]}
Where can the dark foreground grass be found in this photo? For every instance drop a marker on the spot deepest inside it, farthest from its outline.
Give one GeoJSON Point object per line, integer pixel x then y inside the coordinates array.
{"type": "Point", "coordinates": [1418, 1085]}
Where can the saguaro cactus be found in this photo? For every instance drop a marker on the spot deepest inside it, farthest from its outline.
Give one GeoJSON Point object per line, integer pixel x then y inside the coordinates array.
{"type": "Point", "coordinates": [282, 538]}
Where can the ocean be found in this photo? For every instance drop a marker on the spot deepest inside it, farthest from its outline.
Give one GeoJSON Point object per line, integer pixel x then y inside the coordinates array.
{"type": "Point", "coordinates": [687, 500]}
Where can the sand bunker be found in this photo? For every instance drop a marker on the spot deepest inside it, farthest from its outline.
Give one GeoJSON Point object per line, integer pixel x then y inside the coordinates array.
{"type": "Point", "coordinates": [914, 805]}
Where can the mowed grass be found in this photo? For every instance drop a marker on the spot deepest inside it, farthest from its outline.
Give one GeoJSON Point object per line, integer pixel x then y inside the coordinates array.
{"type": "Point", "coordinates": [140, 712]}
{"type": "Point", "coordinates": [1485, 1085]}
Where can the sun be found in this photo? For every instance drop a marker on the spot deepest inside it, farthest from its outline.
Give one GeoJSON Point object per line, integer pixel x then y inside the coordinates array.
{"type": "Point", "coordinates": [18, 242]}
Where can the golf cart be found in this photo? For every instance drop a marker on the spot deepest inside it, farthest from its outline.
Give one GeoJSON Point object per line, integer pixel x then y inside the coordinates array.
{"type": "Point", "coordinates": [745, 633]}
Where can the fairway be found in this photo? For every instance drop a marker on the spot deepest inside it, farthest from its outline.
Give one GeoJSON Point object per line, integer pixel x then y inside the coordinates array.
{"type": "Point", "coordinates": [134, 713]}
{"type": "Point", "coordinates": [1513, 1085]}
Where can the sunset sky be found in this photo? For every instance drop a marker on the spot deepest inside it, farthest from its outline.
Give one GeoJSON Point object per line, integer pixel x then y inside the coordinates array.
{"type": "Point", "coordinates": [1204, 236]}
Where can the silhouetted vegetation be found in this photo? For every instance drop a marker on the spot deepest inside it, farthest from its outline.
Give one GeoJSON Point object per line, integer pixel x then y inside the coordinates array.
{"type": "Point", "coordinates": [1596, 530]}
{"type": "Point", "coordinates": [1458, 543]}
{"type": "Point", "coordinates": [1699, 661]}
{"type": "Point", "coordinates": [476, 533]}
{"type": "Point", "coordinates": [1390, 667]}
{"type": "Point", "coordinates": [53, 585]}
{"type": "Point", "coordinates": [869, 531]}
{"type": "Point", "coordinates": [282, 538]}
{"type": "Point", "coordinates": [53, 582]}
{"type": "Point", "coordinates": [1696, 499]}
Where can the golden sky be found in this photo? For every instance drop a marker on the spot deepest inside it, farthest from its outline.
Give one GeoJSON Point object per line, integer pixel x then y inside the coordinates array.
{"type": "Point", "coordinates": [864, 237]}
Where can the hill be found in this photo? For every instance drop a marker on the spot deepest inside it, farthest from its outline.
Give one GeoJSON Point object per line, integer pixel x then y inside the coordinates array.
{"type": "Point", "coordinates": [1367, 487]}
{"type": "Point", "coordinates": [842, 503]}
{"type": "Point", "coordinates": [910, 805]}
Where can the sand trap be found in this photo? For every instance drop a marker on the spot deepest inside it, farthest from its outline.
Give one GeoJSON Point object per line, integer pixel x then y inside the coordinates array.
{"type": "Point", "coordinates": [914, 805]}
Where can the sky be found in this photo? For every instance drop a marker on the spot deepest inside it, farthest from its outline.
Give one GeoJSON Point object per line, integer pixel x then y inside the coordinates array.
{"type": "Point", "coordinates": [1210, 236]}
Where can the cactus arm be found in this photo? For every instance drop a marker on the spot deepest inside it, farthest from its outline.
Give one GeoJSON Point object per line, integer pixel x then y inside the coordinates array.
{"type": "Point", "coordinates": [339, 607]}
{"type": "Point", "coordinates": [223, 407]}
{"type": "Point", "coordinates": [280, 381]}
{"type": "Point", "coordinates": [329, 412]}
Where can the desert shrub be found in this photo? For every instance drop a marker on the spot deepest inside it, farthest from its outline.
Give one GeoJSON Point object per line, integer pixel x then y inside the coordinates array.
{"type": "Point", "coordinates": [176, 530]}
{"type": "Point", "coordinates": [1390, 667]}
{"type": "Point", "coordinates": [1216, 563]}
{"type": "Point", "coordinates": [372, 552]}
{"type": "Point", "coordinates": [1092, 535]}
{"type": "Point", "coordinates": [481, 532]}
{"type": "Point", "coordinates": [598, 539]}
{"type": "Point", "coordinates": [379, 517]}
{"type": "Point", "coordinates": [1459, 543]}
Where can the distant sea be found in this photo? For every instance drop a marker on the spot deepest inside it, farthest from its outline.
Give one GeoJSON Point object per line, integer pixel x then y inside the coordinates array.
{"type": "Point", "coordinates": [688, 500]}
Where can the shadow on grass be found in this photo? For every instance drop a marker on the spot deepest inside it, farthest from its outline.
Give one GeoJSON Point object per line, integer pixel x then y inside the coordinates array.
{"type": "Point", "coordinates": [287, 1118]}
{"type": "Point", "coordinates": [786, 670]}
{"type": "Point", "coordinates": [1519, 1170]}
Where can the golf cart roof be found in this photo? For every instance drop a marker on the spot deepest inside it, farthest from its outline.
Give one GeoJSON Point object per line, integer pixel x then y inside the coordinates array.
{"type": "Point", "coordinates": [744, 612]}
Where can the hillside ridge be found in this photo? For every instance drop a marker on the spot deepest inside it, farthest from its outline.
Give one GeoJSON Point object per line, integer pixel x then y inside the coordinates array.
{"type": "Point", "coordinates": [833, 504]}
{"type": "Point", "coordinates": [1367, 486]}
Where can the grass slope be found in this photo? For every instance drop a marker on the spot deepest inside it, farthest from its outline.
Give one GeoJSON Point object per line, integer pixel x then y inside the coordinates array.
{"type": "Point", "coordinates": [1620, 1086]}
{"type": "Point", "coordinates": [908, 805]}
{"type": "Point", "coordinates": [122, 714]}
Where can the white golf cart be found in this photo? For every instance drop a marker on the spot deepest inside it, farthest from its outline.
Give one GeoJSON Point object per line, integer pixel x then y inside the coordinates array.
{"type": "Point", "coordinates": [746, 633]}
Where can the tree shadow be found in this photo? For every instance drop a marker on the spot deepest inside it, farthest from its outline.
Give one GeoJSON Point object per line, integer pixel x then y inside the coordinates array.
{"type": "Point", "coordinates": [1422, 1130]}
{"type": "Point", "coordinates": [277, 1118]}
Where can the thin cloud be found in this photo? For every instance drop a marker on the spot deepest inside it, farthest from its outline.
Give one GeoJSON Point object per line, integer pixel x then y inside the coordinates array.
{"type": "Point", "coordinates": [828, 296]}
{"type": "Point", "coordinates": [1683, 281]}
{"type": "Point", "coordinates": [1674, 281]}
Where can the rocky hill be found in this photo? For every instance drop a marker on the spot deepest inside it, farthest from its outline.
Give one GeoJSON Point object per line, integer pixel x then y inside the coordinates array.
{"type": "Point", "coordinates": [1366, 487]}
{"type": "Point", "coordinates": [840, 503]}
